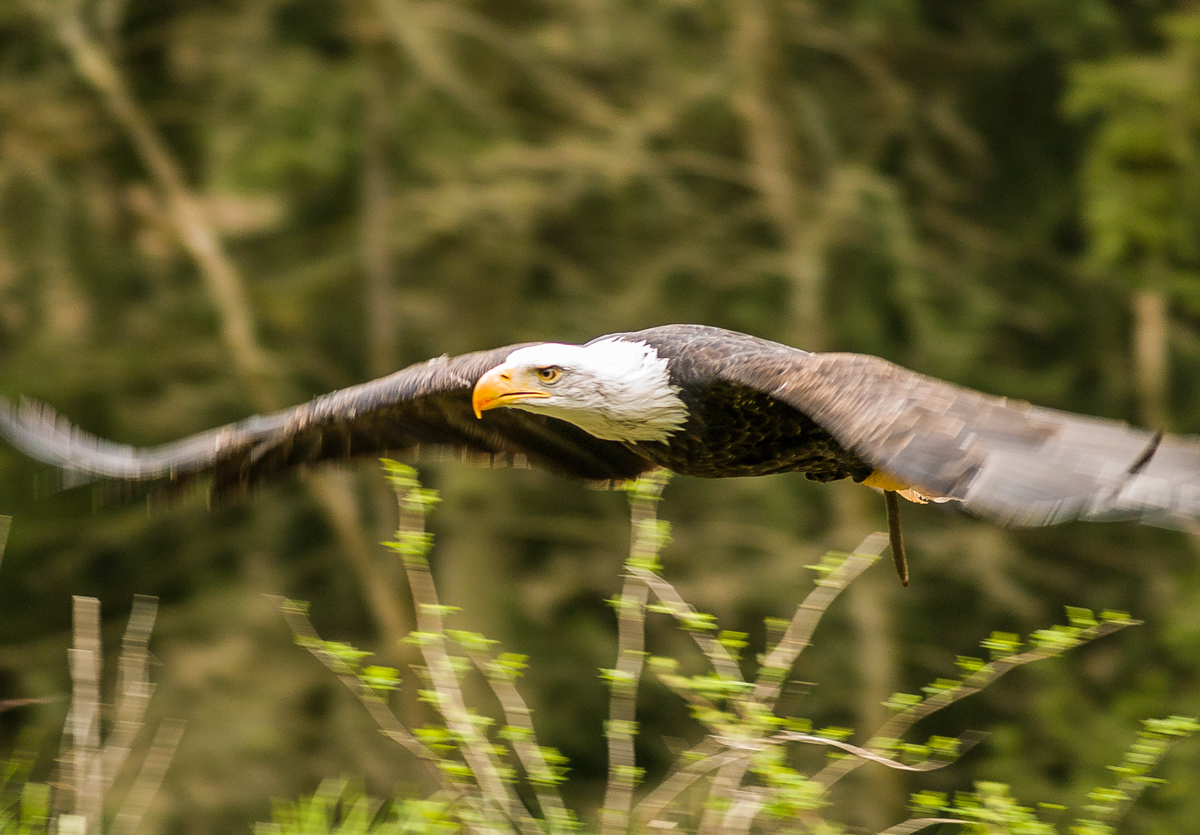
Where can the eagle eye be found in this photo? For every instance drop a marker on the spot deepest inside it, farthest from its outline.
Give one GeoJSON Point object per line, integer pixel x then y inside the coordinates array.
{"type": "Point", "coordinates": [549, 373]}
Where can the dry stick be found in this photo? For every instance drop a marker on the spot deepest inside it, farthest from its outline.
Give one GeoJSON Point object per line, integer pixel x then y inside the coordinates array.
{"type": "Point", "coordinates": [476, 749]}
{"type": "Point", "coordinates": [712, 759]}
{"type": "Point", "coordinates": [892, 503]}
{"type": "Point", "coordinates": [917, 824]}
{"type": "Point", "coordinates": [896, 726]}
{"type": "Point", "coordinates": [392, 728]}
{"type": "Point", "coordinates": [727, 784]}
{"type": "Point", "coordinates": [799, 632]}
{"type": "Point", "coordinates": [685, 613]}
{"type": "Point", "coordinates": [774, 670]}
{"type": "Point", "coordinates": [133, 685]}
{"type": "Point", "coordinates": [631, 641]}
{"type": "Point", "coordinates": [226, 289]}
{"type": "Point", "coordinates": [84, 721]}
{"type": "Point", "coordinates": [712, 754]}
{"type": "Point", "coordinates": [150, 777]}
{"type": "Point", "coordinates": [389, 725]}
{"type": "Point", "coordinates": [518, 715]}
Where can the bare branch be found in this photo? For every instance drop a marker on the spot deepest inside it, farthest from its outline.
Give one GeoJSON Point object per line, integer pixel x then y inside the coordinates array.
{"type": "Point", "coordinates": [84, 721]}
{"type": "Point", "coordinates": [517, 715]}
{"type": "Point", "coordinates": [391, 727]}
{"type": "Point", "coordinates": [898, 724]}
{"type": "Point", "coordinates": [133, 687]}
{"type": "Point", "coordinates": [631, 642]}
{"type": "Point", "coordinates": [866, 754]}
{"type": "Point", "coordinates": [795, 640]}
{"type": "Point", "coordinates": [432, 641]}
{"type": "Point", "coordinates": [917, 824]}
{"type": "Point", "coordinates": [708, 756]}
{"type": "Point", "coordinates": [150, 777]}
{"type": "Point", "coordinates": [685, 613]}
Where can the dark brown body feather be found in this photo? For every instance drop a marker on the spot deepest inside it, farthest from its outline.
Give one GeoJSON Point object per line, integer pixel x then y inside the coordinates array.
{"type": "Point", "coordinates": [736, 429]}
{"type": "Point", "coordinates": [755, 407]}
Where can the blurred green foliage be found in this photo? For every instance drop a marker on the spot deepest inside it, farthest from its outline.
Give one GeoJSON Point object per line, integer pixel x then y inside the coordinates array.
{"type": "Point", "coordinates": [999, 193]}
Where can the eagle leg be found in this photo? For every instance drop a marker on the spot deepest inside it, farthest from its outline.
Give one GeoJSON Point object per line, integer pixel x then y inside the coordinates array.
{"type": "Point", "coordinates": [892, 502]}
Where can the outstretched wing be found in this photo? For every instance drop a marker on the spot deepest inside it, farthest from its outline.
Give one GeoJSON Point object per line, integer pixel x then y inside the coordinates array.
{"type": "Point", "coordinates": [1004, 459]}
{"type": "Point", "coordinates": [428, 404]}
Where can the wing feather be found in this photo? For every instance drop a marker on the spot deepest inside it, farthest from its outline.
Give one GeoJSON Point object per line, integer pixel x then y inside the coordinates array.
{"type": "Point", "coordinates": [1003, 459]}
{"type": "Point", "coordinates": [427, 404]}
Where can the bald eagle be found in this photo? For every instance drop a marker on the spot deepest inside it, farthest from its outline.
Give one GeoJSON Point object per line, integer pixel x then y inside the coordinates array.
{"type": "Point", "coordinates": [696, 400]}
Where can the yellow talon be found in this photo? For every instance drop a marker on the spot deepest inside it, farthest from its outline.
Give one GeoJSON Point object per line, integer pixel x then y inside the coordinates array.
{"type": "Point", "coordinates": [883, 481]}
{"type": "Point", "coordinates": [890, 484]}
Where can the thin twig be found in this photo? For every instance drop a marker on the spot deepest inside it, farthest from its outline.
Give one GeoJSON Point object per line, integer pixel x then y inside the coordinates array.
{"type": "Point", "coordinates": [13, 704]}
{"type": "Point", "coordinates": [685, 613]}
{"type": "Point", "coordinates": [713, 754]}
{"type": "Point", "coordinates": [517, 715]}
{"type": "Point", "coordinates": [84, 721]}
{"type": "Point", "coordinates": [392, 728]}
{"type": "Point", "coordinates": [133, 685]}
{"type": "Point", "coordinates": [476, 749]}
{"type": "Point", "coordinates": [150, 777]}
{"type": "Point", "coordinates": [707, 756]}
{"type": "Point", "coordinates": [746, 805]}
{"type": "Point", "coordinates": [389, 725]}
{"type": "Point", "coordinates": [917, 824]}
{"type": "Point", "coordinates": [965, 743]}
{"type": "Point", "coordinates": [799, 633]}
{"type": "Point", "coordinates": [730, 765]}
{"type": "Point", "coordinates": [721, 794]}
{"type": "Point", "coordinates": [631, 641]}
{"type": "Point", "coordinates": [895, 727]}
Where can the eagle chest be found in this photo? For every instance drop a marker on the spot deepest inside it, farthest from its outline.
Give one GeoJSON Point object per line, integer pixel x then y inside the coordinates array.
{"type": "Point", "coordinates": [733, 430]}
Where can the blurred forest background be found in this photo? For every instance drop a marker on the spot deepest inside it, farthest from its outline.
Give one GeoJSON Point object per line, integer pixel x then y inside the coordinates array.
{"type": "Point", "coordinates": [213, 208]}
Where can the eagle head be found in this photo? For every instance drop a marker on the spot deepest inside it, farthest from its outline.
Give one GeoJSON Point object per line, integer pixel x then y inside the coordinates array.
{"type": "Point", "coordinates": [613, 389]}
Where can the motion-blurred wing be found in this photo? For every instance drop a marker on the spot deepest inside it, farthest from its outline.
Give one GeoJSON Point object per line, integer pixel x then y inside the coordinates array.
{"type": "Point", "coordinates": [428, 404]}
{"type": "Point", "coordinates": [1007, 460]}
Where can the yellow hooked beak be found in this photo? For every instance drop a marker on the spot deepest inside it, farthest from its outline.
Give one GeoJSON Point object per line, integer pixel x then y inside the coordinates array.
{"type": "Point", "coordinates": [497, 388]}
